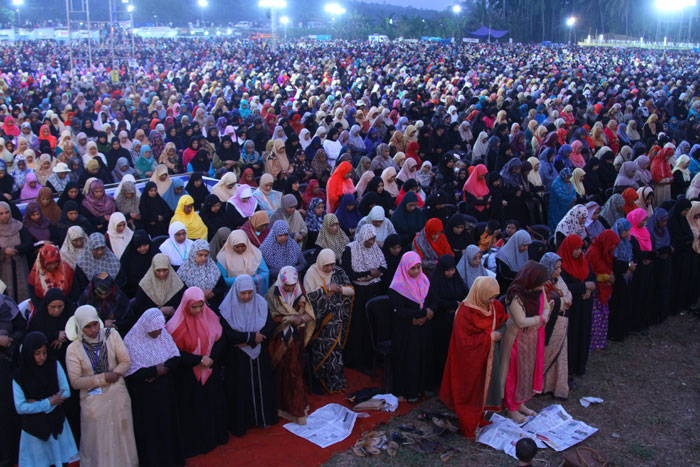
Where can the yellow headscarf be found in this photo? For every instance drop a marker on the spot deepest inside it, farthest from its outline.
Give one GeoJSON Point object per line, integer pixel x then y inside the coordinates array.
{"type": "Point", "coordinates": [195, 226]}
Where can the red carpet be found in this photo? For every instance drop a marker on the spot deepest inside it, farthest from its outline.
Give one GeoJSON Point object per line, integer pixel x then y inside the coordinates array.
{"type": "Point", "coordinates": [275, 446]}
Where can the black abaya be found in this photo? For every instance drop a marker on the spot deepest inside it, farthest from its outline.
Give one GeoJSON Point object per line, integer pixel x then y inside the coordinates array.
{"type": "Point", "coordinates": [156, 418]}
{"type": "Point", "coordinates": [580, 322]}
{"type": "Point", "coordinates": [411, 349]}
{"type": "Point", "coordinates": [201, 407]}
{"type": "Point", "coordinates": [249, 384]}
{"type": "Point", "coordinates": [642, 288]}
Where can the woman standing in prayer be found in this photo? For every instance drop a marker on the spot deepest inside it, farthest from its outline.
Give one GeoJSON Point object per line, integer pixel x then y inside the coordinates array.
{"type": "Point", "coordinates": [364, 264]}
{"type": "Point", "coordinates": [159, 288]}
{"type": "Point", "coordinates": [239, 257]}
{"type": "Point", "coordinates": [446, 291]}
{"type": "Point", "coordinates": [15, 245]}
{"type": "Point", "coordinates": [470, 266]}
{"type": "Point", "coordinates": [663, 267]}
{"type": "Point", "coordinates": [682, 240]}
{"type": "Point", "coordinates": [154, 358]}
{"type": "Point", "coordinates": [213, 214]}
{"type": "Point", "coordinates": [573, 223]}
{"type": "Point", "coordinates": [49, 271]}
{"type": "Point", "coordinates": [642, 281]}
{"type": "Point", "coordinates": [155, 212]}
{"type": "Point", "coordinates": [332, 236]}
{"type": "Point", "coordinates": [185, 214]}
{"type": "Point", "coordinates": [294, 325]}
{"type": "Point", "coordinates": [522, 359]}
{"type": "Point", "coordinates": [95, 259]}
{"type": "Point", "coordinates": [257, 227]}
{"type": "Point", "coordinates": [200, 270]}
{"type": "Point", "coordinates": [408, 219]}
{"type": "Point", "coordinates": [512, 257]}
{"type": "Point", "coordinates": [97, 359]}
{"type": "Point", "coordinates": [480, 322]}
{"type": "Point", "coordinates": [411, 343]}
{"type": "Point", "coordinates": [382, 225]}
{"type": "Point", "coordinates": [338, 185]}
{"type": "Point", "coordinates": [118, 234]}
{"type": "Point", "coordinates": [178, 245]}
{"type": "Point", "coordinates": [226, 187]}
{"type": "Point", "coordinates": [40, 388]}
{"type": "Point", "coordinates": [199, 388]}
{"type": "Point", "coordinates": [600, 256]}
{"type": "Point", "coordinates": [250, 387]}
{"type": "Point", "coordinates": [279, 250]}
{"type": "Point", "coordinates": [136, 260]}
{"type": "Point", "coordinates": [314, 219]}
{"type": "Point", "coordinates": [581, 281]}
{"type": "Point", "coordinates": [561, 196]}
{"type": "Point", "coordinates": [431, 244]}
{"type": "Point", "coordinates": [111, 303]}
{"type": "Point", "coordinates": [620, 304]}
{"type": "Point", "coordinates": [288, 212]}
{"type": "Point", "coordinates": [556, 368]}
{"type": "Point", "coordinates": [330, 293]}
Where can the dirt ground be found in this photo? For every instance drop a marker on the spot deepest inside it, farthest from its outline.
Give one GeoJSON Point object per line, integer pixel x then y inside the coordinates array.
{"type": "Point", "coordinates": [650, 417]}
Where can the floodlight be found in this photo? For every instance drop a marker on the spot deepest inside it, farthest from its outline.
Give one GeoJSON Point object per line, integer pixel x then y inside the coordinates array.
{"type": "Point", "coordinates": [272, 3]}
{"type": "Point", "coordinates": [130, 8]}
{"type": "Point", "coordinates": [334, 9]}
{"type": "Point", "coordinates": [570, 21]}
{"type": "Point", "coordinates": [18, 2]}
{"type": "Point", "coordinates": [284, 20]}
{"type": "Point", "coordinates": [674, 5]}
{"type": "Point", "coordinates": [456, 9]}
{"type": "Point", "coordinates": [202, 3]}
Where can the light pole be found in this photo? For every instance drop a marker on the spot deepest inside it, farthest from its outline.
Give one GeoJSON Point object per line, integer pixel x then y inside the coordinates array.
{"type": "Point", "coordinates": [570, 21]}
{"type": "Point", "coordinates": [130, 9]}
{"type": "Point", "coordinates": [456, 10]}
{"type": "Point", "coordinates": [273, 6]}
{"type": "Point", "coordinates": [334, 9]}
{"type": "Point", "coordinates": [202, 5]}
{"type": "Point", "coordinates": [17, 4]}
{"type": "Point", "coordinates": [285, 21]}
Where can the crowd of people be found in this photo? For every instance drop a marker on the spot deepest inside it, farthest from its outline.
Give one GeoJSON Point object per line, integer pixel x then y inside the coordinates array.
{"type": "Point", "coordinates": [518, 206]}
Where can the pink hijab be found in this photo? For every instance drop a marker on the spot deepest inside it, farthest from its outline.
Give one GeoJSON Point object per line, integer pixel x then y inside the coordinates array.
{"type": "Point", "coordinates": [413, 289]}
{"type": "Point", "coordinates": [195, 334]}
{"type": "Point", "coordinates": [575, 157]}
{"type": "Point", "coordinates": [640, 233]}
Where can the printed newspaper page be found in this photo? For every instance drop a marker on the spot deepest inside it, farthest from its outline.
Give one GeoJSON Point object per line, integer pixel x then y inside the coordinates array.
{"type": "Point", "coordinates": [328, 425]}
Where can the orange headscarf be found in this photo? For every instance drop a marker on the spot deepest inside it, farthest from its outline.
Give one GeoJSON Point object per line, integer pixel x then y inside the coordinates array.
{"type": "Point", "coordinates": [338, 185]}
{"type": "Point", "coordinates": [630, 196]}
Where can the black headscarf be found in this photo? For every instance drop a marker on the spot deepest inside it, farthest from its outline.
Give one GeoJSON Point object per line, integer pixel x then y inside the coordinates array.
{"type": "Point", "coordinates": [678, 226]}
{"type": "Point", "coordinates": [444, 289]}
{"type": "Point", "coordinates": [199, 193]}
{"type": "Point", "coordinates": [37, 383]}
{"type": "Point", "coordinates": [43, 322]}
{"type": "Point", "coordinates": [200, 162]}
{"type": "Point", "coordinates": [136, 263]}
{"type": "Point", "coordinates": [392, 262]}
{"type": "Point", "coordinates": [213, 220]}
{"type": "Point", "coordinates": [458, 243]}
{"type": "Point", "coordinates": [64, 194]}
{"type": "Point", "coordinates": [151, 208]}
{"type": "Point", "coordinates": [113, 155]}
{"type": "Point", "coordinates": [233, 153]}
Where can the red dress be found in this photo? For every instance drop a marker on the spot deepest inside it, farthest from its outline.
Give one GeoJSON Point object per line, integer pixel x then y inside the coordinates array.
{"type": "Point", "coordinates": [468, 369]}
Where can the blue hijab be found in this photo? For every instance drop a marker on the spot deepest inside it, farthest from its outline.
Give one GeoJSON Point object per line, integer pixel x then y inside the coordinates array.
{"type": "Point", "coordinates": [347, 219]}
{"type": "Point", "coordinates": [547, 171]}
{"type": "Point", "coordinates": [170, 197]}
{"type": "Point", "coordinates": [561, 196]}
{"type": "Point", "coordinates": [624, 251]}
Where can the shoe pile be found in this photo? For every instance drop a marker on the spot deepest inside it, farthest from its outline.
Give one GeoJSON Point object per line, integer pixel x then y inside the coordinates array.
{"type": "Point", "coordinates": [422, 437]}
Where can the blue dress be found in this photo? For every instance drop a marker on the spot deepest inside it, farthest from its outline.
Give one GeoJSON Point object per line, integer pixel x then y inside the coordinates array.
{"type": "Point", "coordinates": [561, 195]}
{"type": "Point", "coordinates": [54, 451]}
{"type": "Point", "coordinates": [261, 276]}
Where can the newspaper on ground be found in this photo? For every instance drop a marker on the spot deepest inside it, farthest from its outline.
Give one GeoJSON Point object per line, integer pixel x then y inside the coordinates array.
{"type": "Point", "coordinates": [503, 433]}
{"type": "Point", "coordinates": [586, 401]}
{"type": "Point", "coordinates": [328, 425]}
{"type": "Point", "coordinates": [557, 428]}
{"type": "Point", "coordinates": [552, 427]}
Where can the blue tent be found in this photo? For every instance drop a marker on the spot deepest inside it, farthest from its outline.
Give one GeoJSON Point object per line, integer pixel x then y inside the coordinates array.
{"type": "Point", "coordinates": [483, 31]}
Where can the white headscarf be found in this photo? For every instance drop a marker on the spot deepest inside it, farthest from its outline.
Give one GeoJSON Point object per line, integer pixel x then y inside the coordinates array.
{"type": "Point", "coordinates": [146, 351]}
{"type": "Point", "coordinates": [177, 252]}
{"type": "Point", "coordinates": [118, 241]}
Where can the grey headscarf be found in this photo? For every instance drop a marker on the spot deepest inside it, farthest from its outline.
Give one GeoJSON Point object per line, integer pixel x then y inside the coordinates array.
{"type": "Point", "coordinates": [467, 272]}
{"type": "Point", "coordinates": [510, 253]}
{"type": "Point", "coordinates": [250, 316]}
{"type": "Point", "coordinates": [549, 260]}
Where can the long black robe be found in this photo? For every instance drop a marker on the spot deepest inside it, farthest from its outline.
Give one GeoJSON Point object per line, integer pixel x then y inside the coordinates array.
{"type": "Point", "coordinates": [683, 257]}
{"type": "Point", "coordinates": [643, 288]}
{"type": "Point", "coordinates": [580, 322]}
{"type": "Point", "coordinates": [662, 280]}
{"type": "Point", "coordinates": [9, 420]}
{"type": "Point", "coordinates": [201, 408]}
{"type": "Point", "coordinates": [156, 418]}
{"type": "Point", "coordinates": [250, 386]}
{"type": "Point", "coordinates": [411, 349]}
{"type": "Point", "coordinates": [444, 296]}
{"type": "Point", "coordinates": [359, 351]}
{"type": "Point", "coordinates": [143, 302]}
{"type": "Point", "coordinates": [620, 304]}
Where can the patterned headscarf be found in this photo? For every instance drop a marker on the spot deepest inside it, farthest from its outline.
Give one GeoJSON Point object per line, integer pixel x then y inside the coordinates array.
{"type": "Point", "coordinates": [194, 275]}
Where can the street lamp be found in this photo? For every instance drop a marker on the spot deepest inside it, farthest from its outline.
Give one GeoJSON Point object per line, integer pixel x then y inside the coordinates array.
{"type": "Point", "coordinates": [17, 4]}
{"type": "Point", "coordinates": [334, 9]}
{"type": "Point", "coordinates": [570, 21]}
{"type": "Point", "coordinates": [456, 9]}
{"type": "Point", "coordinates": [202, 5]}
{"type": "Point", "coordinates": [273, 6]}
{"type": "Point", "coordinates": [285, 21]}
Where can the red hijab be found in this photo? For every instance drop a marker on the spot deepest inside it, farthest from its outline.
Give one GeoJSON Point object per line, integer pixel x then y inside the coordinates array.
{"type": "Point", "coordinates": [660, 168]}
{"type": "Point", "coordinates": [630, 195]}
{"type": "Point", "coordinates": [338, 185]}
{"type": "Point", "coordinates": [441, 246]}
{"type": "Point", "coordinates": [600, 257]}
{"type": "Point", "coordinates": [309, 192]}
{"type": "Point", "coordinates": [195, 334]}
{"type": "Point", "coordinates": [42, 280]}
{"type": "Point", "coordinates": [250, 181]}
{"type": "Point", "coordinates": [49, 137]}
{"type": "Point", "coordinates": [575, 267]}
{"type": "Point", "coordinates": [412, 151]}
